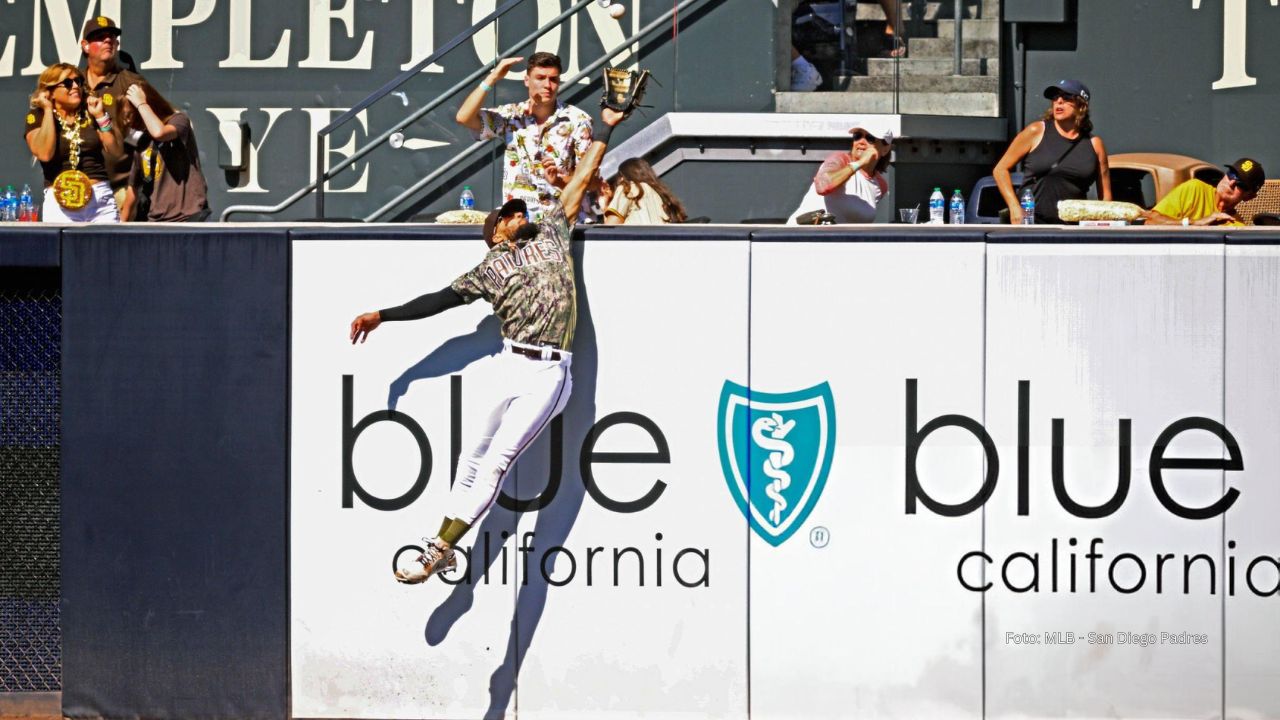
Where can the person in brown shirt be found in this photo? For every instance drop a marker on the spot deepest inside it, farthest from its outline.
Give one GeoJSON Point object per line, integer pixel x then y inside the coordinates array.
{"type": "Point", "coordinates": [166, 175]}
{"type": "Point", "coordinates": [108, 80]}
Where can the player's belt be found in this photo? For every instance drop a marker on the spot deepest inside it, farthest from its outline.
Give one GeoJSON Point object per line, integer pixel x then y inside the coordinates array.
{"type": "Point", "coordinates": [535, 353]}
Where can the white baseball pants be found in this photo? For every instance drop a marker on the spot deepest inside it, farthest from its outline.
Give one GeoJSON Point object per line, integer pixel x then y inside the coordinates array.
{"type": "Point", "coordinates": [529, 393]}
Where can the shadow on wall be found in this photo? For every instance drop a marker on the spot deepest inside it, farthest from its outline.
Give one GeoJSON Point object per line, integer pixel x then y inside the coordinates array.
{"type": "Point", "coordinates": [560, 496]}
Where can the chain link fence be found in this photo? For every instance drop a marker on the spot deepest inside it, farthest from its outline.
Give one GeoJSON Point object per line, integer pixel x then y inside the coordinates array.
{"type": "Point", "coordinates": [30, 578]}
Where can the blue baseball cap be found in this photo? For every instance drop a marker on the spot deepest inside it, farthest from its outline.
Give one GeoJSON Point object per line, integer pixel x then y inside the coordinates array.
{"type": "Point", "coordinates": [1074, 88]}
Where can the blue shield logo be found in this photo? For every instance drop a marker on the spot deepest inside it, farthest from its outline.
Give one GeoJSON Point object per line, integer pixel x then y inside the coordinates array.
{"type": "Point", "coordinates": [775, 451]}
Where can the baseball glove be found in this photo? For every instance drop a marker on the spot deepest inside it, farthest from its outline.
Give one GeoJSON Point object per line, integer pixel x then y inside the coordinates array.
{"type": "Point", "coordinates": [623, 89]}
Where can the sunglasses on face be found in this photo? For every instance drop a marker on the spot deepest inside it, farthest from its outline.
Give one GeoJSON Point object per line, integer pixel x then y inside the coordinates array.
{"type": "Point", "coordinates": [107, 37]}
{"type": "Point", "coordinates": [67, 84]}
{"type": "Point", "coordinates": [1235, 180]}
{"type": "Point", "coordinates": [863, 136]}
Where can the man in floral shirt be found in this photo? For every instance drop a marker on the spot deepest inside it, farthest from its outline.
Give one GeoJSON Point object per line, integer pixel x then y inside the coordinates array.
{"type": "Point", "coordinates": [545, 138]}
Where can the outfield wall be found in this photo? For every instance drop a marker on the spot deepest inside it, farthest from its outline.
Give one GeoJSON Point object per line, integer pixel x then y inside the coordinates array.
{"type": "Point", "coordinates": [226, 452]}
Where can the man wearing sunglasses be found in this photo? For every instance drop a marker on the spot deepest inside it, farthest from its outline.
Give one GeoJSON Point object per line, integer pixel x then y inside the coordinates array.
{"type": "Point", "coordinates": [1196, 202]}
{"type": "Point", "coordinates": [849, 185]}
{"type": "Point", "coordinates": [109, 80]}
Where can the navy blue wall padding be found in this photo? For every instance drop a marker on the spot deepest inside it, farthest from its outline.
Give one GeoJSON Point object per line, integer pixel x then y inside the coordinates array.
{"type": "Point", "coordinates": [684, 233]}
{"type": "Point", "coordinates": [387, 232]}
{"type": "Point", "coordinates": [873, 233]}
{"type": "Point", "coordinates": [1120, 235]}
{"type": "Point", "coordinates": [174, 472]}
{"type": "Point", "coordinates": [29, 245]}
{"type": "Point", "coordinates": [1236, 236]}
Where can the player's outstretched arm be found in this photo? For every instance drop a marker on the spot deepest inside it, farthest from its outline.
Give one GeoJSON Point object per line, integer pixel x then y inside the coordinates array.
{"type": "Point", "coordinates": [571, 198]}
{"type": "Point", "coordinates": [416, 309]}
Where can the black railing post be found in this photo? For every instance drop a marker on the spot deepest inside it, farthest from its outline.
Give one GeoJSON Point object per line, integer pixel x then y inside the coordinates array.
{"type": "Point", "coordinates": [320, 136]}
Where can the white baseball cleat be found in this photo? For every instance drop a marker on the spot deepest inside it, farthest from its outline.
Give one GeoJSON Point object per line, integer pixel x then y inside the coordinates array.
{"type": "Point", "coordinates": [433, 559]}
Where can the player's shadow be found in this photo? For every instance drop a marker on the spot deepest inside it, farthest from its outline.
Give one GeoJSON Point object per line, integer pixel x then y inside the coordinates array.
{"type": "Point", "coordinates": [452, 356]}
{"type": "Point", "coordinates": [535, 475]}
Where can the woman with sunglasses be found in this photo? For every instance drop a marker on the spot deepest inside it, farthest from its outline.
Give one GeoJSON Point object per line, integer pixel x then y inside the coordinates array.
{"type": "Point", "coordinates": [1062, 156]}
{"type": "Point", "coordinates": [68, 132]}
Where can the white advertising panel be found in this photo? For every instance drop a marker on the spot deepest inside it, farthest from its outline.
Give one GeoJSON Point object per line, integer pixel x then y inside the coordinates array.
{"type": "Point", "coordinates": [855, 610]}
{"type": "Point", "coordinates": [661, 325]}
{"type": "Point", "coordinates": [364, 645]}
{"type": "Point", "coordinates": [1110, 347]}
{"type": "Point", "coordinates": [623, 595]}
{"type": "Point", "coordinates": [1253, 535]}
{"type": "Point", "coordinates": [796, 480]}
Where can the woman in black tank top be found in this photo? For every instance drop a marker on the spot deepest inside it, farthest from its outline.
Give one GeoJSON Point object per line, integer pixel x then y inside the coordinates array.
{"type": "Point", "coordinates": [1062, 156]}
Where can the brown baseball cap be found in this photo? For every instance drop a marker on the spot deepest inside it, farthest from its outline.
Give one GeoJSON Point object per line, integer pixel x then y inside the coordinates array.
{"type": "Point", "coordinates": [1249, 174]}
{"type": "Point", "coordinates": [98, 26]}
{"type": "Point", "coordinates": [511, 207]}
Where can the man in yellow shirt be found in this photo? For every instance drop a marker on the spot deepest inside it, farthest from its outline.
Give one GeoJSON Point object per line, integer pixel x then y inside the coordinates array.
{"type": "Point", "coordinates": [1196, 202]}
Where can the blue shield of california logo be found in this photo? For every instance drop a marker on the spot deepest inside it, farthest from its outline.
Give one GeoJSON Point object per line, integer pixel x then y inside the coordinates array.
{"type": "Point", "coordinates": [775, 451]}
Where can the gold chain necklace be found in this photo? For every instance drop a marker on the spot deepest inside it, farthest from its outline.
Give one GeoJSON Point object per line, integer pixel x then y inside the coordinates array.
{"type": "Point", "coordinates": [72, 188]}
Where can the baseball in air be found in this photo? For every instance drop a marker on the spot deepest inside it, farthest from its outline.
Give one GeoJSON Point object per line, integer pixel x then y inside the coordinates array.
{"type": "Point", "coordinates": [617, 11]}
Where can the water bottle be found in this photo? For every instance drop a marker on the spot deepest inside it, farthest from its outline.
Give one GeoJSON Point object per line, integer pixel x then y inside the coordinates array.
{"type": "Point", "coordinates": [10, 205]}
{"type": "Point", "coordinates": [957, 208]}
{"type": "Point", "coordinates": [1028, 207]}
{"type": "Point", "coordinates": [26, 208]}
{"type": "Point", "coordinates": [936, 205]}
{"type": "Point", "coordinates": [468, 199]}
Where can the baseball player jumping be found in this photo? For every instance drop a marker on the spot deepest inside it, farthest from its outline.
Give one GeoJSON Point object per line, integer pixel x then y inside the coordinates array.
{"type": "Point", "coordinates": [528, 277]}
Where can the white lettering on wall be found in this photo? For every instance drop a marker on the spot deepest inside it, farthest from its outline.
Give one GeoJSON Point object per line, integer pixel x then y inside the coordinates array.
{"type": "Point", "coordinates": [323, 16]}
{"type": "Point", "coordinates": [6, 58]}
{"type": "Point", "coordinates": [163, 21]}
{"type": "Point", "coordinates": [422, 33]}
{"type": "Point", "coordinates": [1235, 25]}
{"type": "Point", "coordinates": [607, 29]}
{"type": "Point", "coordinates": [321, 117]}
{"type": "Point", "coordinates": [240, 24]}
{"type": "Point", "coordinates": [66, 34]}
{"type": "Point", "coordinates": [234, 115]}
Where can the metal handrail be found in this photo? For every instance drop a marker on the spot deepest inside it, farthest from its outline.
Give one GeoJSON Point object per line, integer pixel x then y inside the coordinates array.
{"type": "Point", "coordinates": [323, 176]}
{"type": "Point", "coordinates": [659, 22]}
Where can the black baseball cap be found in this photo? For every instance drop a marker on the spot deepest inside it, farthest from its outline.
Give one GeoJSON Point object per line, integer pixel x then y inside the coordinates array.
{"type": "Point", "coordinates": [1249, 174]}
{"type": "Point", "coordinates": [509, 208]}
{"type": "Point", "coordinates": [1074, 88]}
{"type": "Point", "coordinates": [98, 26]}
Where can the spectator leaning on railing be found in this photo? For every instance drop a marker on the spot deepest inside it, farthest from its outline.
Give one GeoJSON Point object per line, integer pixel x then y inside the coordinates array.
{"type": "Point", "coordinates": [849, 185]}
{"type": "Point", "coordinates": [640, 198]}
{"type": "Point", "coordinates": [71, 134]}
{"type": "Point", "coordinates": [1063, 156]}
{"type": "Point", "coordinates": [1196, 202]}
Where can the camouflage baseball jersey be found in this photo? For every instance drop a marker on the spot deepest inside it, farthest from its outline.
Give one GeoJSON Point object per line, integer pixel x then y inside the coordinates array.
{"type": "Point", "coordinates": [531, 288]}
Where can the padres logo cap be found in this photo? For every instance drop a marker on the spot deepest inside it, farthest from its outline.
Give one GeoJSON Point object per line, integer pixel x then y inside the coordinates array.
{"type": "Point", "coordinates": [99, 26]}
{"type": "Point", "coordinates": [1072, 88]}
{"type": "Point", "coordinates": [1249, 174]}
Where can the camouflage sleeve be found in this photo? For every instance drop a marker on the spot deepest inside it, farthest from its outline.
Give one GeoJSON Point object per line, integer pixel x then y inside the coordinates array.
{"type": "Point", "coordinates": [582, 134]}
{"type": "Point", "coordinates": [470, 285]}
{"type": "Point", "coordinates": [823, 181]}
{"type": "Point", "coordinates": [555, 225]}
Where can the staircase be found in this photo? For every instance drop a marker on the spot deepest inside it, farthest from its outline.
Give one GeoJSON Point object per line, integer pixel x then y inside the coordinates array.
{"type": "Point", "coordinates": [924, 83]}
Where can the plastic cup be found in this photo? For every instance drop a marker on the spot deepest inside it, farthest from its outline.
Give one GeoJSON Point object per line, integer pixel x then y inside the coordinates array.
{"type": "Point", "coordinates": [909, 215]}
